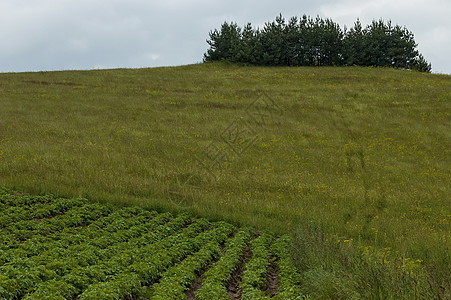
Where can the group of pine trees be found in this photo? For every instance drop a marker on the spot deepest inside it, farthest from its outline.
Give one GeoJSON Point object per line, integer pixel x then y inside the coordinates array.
{"type": "Point", "coordinates": [316, 42]}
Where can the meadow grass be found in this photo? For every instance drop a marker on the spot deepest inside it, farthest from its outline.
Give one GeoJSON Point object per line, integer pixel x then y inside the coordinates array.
{"type": "Point", "coordinates": [353, 162]}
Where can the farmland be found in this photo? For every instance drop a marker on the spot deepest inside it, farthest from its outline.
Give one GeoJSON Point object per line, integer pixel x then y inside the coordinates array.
{"type": "Point", "coordinates": [353, 164]}
{"type": "Point", "coordinates": [56, 248]}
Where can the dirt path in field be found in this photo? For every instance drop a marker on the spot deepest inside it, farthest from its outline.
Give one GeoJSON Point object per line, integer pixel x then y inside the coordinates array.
{"type": "Point", "coordinates": [272, 279]}
{"type": "Point", "coordinates": [196, 285]}
{"type": "Point", "coordinates": [190, 294]}
{"type": "Point", "coordinates": [233, 285]}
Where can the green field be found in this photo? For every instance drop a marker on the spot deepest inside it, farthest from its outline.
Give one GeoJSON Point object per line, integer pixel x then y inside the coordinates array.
{"type": "Point", "coordinates": [353, 163]}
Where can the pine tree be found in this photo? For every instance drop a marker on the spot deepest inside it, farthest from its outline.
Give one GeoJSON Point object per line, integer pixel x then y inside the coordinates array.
{"type": "Point", "coordinates": [224, 44]}
{"type": "Point", "coordinates": [354, 45]}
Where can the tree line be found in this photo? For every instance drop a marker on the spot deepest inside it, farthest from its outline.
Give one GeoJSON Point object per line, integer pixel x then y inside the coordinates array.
{"type": "Point", "coordinates": [310, 41]}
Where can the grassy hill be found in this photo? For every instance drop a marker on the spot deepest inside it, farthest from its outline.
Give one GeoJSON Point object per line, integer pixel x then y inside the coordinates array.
{"type": "Point", "coordinates": [354, 163]}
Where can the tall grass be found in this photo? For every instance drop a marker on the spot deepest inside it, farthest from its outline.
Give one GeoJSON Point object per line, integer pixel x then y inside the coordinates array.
{"type": "Point", "coordinates": [354, 162]}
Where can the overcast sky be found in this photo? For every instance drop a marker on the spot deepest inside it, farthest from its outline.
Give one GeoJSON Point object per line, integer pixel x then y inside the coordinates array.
{"type": "Point", "coordinates": [40, 35]}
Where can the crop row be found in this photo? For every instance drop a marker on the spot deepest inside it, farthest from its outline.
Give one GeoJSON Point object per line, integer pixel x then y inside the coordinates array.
{"type": "Point", "coordinates": [254, 277]}
{"type": "Point", "coordinates": [9, 198]}
{"type": "Point", "coordinates": [76, 216]}
{"type": "Point", "coordinates": [13, 214]}
{"type": "Point", "coordinates": [289, 284]}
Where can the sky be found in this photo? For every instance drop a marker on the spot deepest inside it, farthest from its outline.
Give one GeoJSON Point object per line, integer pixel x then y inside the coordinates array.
{"type": "Point", "coordinates": [46, 35]}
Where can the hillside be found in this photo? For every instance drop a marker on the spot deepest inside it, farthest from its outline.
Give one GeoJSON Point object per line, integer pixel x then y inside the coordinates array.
{"type": "Point", "coordinates": [353, 162]}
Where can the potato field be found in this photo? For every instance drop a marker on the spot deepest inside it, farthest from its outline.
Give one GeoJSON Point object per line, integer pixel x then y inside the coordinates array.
{"type": "Point", "coordinates": [57, 248]}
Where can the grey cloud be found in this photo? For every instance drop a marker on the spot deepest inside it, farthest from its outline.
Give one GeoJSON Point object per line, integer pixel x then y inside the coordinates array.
{"type": "Point", "coordinates": [83, 34]}
{"type": "Point", "coordinates": [428, 20]}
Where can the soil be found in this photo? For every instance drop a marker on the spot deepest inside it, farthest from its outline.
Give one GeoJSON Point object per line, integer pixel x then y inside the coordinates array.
{"type": "Point", "coordinates": [196, 285]}
{"type": "Point", "coordinates": [234, 284]}
{"type": "Point", "coordinates": [272, 279]}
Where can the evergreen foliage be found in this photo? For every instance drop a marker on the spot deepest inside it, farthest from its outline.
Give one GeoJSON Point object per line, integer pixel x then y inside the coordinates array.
{"type": "Point", "coordinates": [316, 42]}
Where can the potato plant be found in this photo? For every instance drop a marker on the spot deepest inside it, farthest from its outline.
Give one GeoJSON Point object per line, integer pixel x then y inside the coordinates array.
{"type": "Point", "coordinates": [56, 248]}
